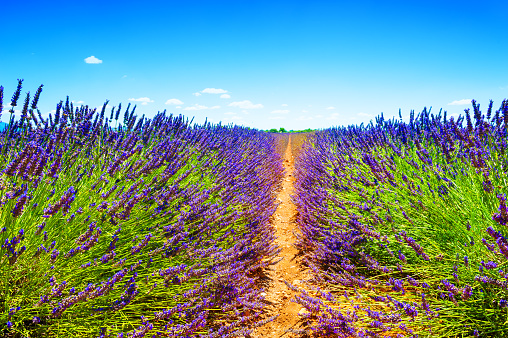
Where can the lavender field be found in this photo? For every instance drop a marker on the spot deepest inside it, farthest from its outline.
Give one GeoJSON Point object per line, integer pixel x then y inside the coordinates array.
{"type": "Point", "coordinates": [115, 225]}
{"type": "Point", "coordinates": [405, 225]}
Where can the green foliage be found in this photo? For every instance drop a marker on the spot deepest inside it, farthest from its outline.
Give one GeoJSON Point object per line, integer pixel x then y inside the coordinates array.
{"type": "Point", "coordinates": [444, 206]}
{"type": "Point", "coordinates": [283, 130]}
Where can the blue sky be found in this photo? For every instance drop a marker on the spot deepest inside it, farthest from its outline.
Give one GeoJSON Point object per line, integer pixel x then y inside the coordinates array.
{"type": "Point", "coordinates": [263, 64]}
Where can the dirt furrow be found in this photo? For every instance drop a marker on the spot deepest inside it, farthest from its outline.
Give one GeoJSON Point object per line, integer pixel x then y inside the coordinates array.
{"type": "Point", "coordinates": [289, 269]}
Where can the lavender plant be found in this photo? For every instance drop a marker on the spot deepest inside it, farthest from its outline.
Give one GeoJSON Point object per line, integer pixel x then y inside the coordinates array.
{"type": "Point", "coordinates": [404, 225]}
{"type": "Point", "coordinates": [132, 227]}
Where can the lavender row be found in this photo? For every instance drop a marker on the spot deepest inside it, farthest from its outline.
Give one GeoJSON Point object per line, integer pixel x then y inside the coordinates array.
{"type": "Point", "coordinates": [404, 226]}
{"type": "Point", "coordinates": [115, 225]}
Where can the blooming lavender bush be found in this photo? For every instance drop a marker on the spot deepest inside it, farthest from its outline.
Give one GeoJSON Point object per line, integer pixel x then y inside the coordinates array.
{"type": "Point", "coordinates": [114, 225]}
{"type": "Point", "coordinates": [404, 225]}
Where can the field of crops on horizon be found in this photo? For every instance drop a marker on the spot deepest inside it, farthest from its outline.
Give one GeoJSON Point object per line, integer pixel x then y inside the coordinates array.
{"type": "Point", "coordinates": [405, 226]}
{"type": "Point", "coordinates": [117, 226]}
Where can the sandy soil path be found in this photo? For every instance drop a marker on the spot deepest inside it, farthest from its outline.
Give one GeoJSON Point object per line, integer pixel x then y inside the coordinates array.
{"type": "Point", "coordinates": [278, 295]}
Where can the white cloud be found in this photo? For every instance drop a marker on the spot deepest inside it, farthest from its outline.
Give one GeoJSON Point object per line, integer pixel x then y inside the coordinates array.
{"type": "Point", "coordinates": [330, 108]}
{"type": "Point", "coordinates": [460, 102]}
{"type": "Point", "coordinates": [225, 96]}
{"type": "Point", "coordinates": [284, 105]}
{"type": "Point", "coordinates": [364, 115]}
{"type": "Point", "coordinates": [6, 109]}
{"type": "Point", "coordinates": [246, 104]}
{"type": "Point", "coordinates": [174, 101]}
{"type": "Point", "coordinates": [230, 113]}
{"type": "Point", "coordinates": [92, 59]}
{"type": "Point", "coordinates": [245, 112]}
{"type": "Point", "coordinates": [233, 119]}
{"type": "Point", "coordinates": [196, 107]}
{"type": "Point", "coordinates": [319, 116]}
{"type": "Point", "coordinates": [196, 94]}
{"type": "Point", "coordinates": [200, 107]}
{"type": "Point", "coordinates": [334, 116]}
{"type": "Point", "coordinates": [144, 100]}
{"type": "Point", "coordinates": [178, 107]}
{"type": "Point", "coordinates": [214, 91]}
{"type": "Point", "coordinates": [277, 117]}
{"type": "Point", "coordinates": [304, 118]}
{"type": "Point", "coordinates": [99, 108]}
{"type": "Point", "coordinates": [285, 111]}
{"type": "Point", "coordinates": [123, 77]}
{"type": "Point", "coordinates": [304, 111]}
{"type": "Point", "coordinates": [52, 112]}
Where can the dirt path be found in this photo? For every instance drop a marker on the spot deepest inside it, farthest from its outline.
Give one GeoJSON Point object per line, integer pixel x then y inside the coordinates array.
{"type": "Point", "coordinates": [278, 295]}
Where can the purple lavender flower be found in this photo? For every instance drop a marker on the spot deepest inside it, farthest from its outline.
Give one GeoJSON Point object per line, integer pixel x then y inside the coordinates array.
{"type": "Point", "coordinates": [18, 208]}
{"type": "Point", "coordinates": [467, 292]}
{"type": "Point", "coordinates": [489, 265]}
{"type": "Point", "coordinates": [502, 216]}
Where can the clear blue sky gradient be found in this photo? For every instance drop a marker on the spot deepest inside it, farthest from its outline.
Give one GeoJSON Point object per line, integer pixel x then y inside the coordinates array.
{"type": "Point", "coordinates": [328, 62]}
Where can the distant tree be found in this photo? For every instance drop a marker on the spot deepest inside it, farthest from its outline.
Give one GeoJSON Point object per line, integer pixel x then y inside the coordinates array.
{"type": "Point", "coordinates": [273, 130]}
{"type": "Point", "coordinates": [282, 130]}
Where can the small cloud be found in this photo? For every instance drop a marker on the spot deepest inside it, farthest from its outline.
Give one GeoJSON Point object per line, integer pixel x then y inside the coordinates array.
{"type": "Point", "coordinates": [245, 112]}
{"type": "Point", "coordinates": [80, 102]}
{"type": "Point", "coordinates": [334, 116]}
{"type": "Point", "coordinates": [233, 118]}
{"type": "Point", "coordinates": [304, 111]}
{"type": "Point", "coordinates": [364, 115]}
{"type": "Point", "coordinates": [304, 118]}
{"type": "Point", "coordinates": [99, 108]}
{"type": "Point", "coordinates": [214, 91]}
{"type": "Point", "coordinates": [123, 77]}
{"type": "Point", "coordinates": [280, 111]}
{"type": "Point", "coordinates": [196, 107]}
{"type": "Point", "coordinates": [230, 113]}
{"type": "Point", "coordinates": [200, 107]}
{"type": "Point", "coordinates": [277, 117]}
{"type": "Point", "coordinates": [319, 116]}
{"type": "Point", "coordinates": [92, 59]}
{"type": "Point", "coordinates": [178, 107]}
{"type": "Point", "coordinates": [225, 96]}
{"type": "Point", "coordinates": [330, 108]}
{"type": "Point", "coordinates": [284, 105]}
{"type": "Point", "coordinates": [460, 102]}
{"type": "Point", "coordinates": [15, 111]}
{"type": "Point", "coordinates": [174, 101]}
{"type": "Point", "coordinates": [246, 104]}
{"type": "Point", "coordinates": [196, 94]}
{"type": "Point", "coordinates": [144, 100]}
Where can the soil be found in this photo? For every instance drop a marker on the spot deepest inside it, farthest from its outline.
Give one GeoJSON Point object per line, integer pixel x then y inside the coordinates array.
{"type": "Point", "coordinates": [289, 269]}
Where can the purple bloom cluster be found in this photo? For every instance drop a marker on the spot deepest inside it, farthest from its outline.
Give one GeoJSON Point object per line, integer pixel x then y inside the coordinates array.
{"type": "Point", "coordinates": [134, 212]}
{"type": "Point", "coordinates": [367, 194]}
